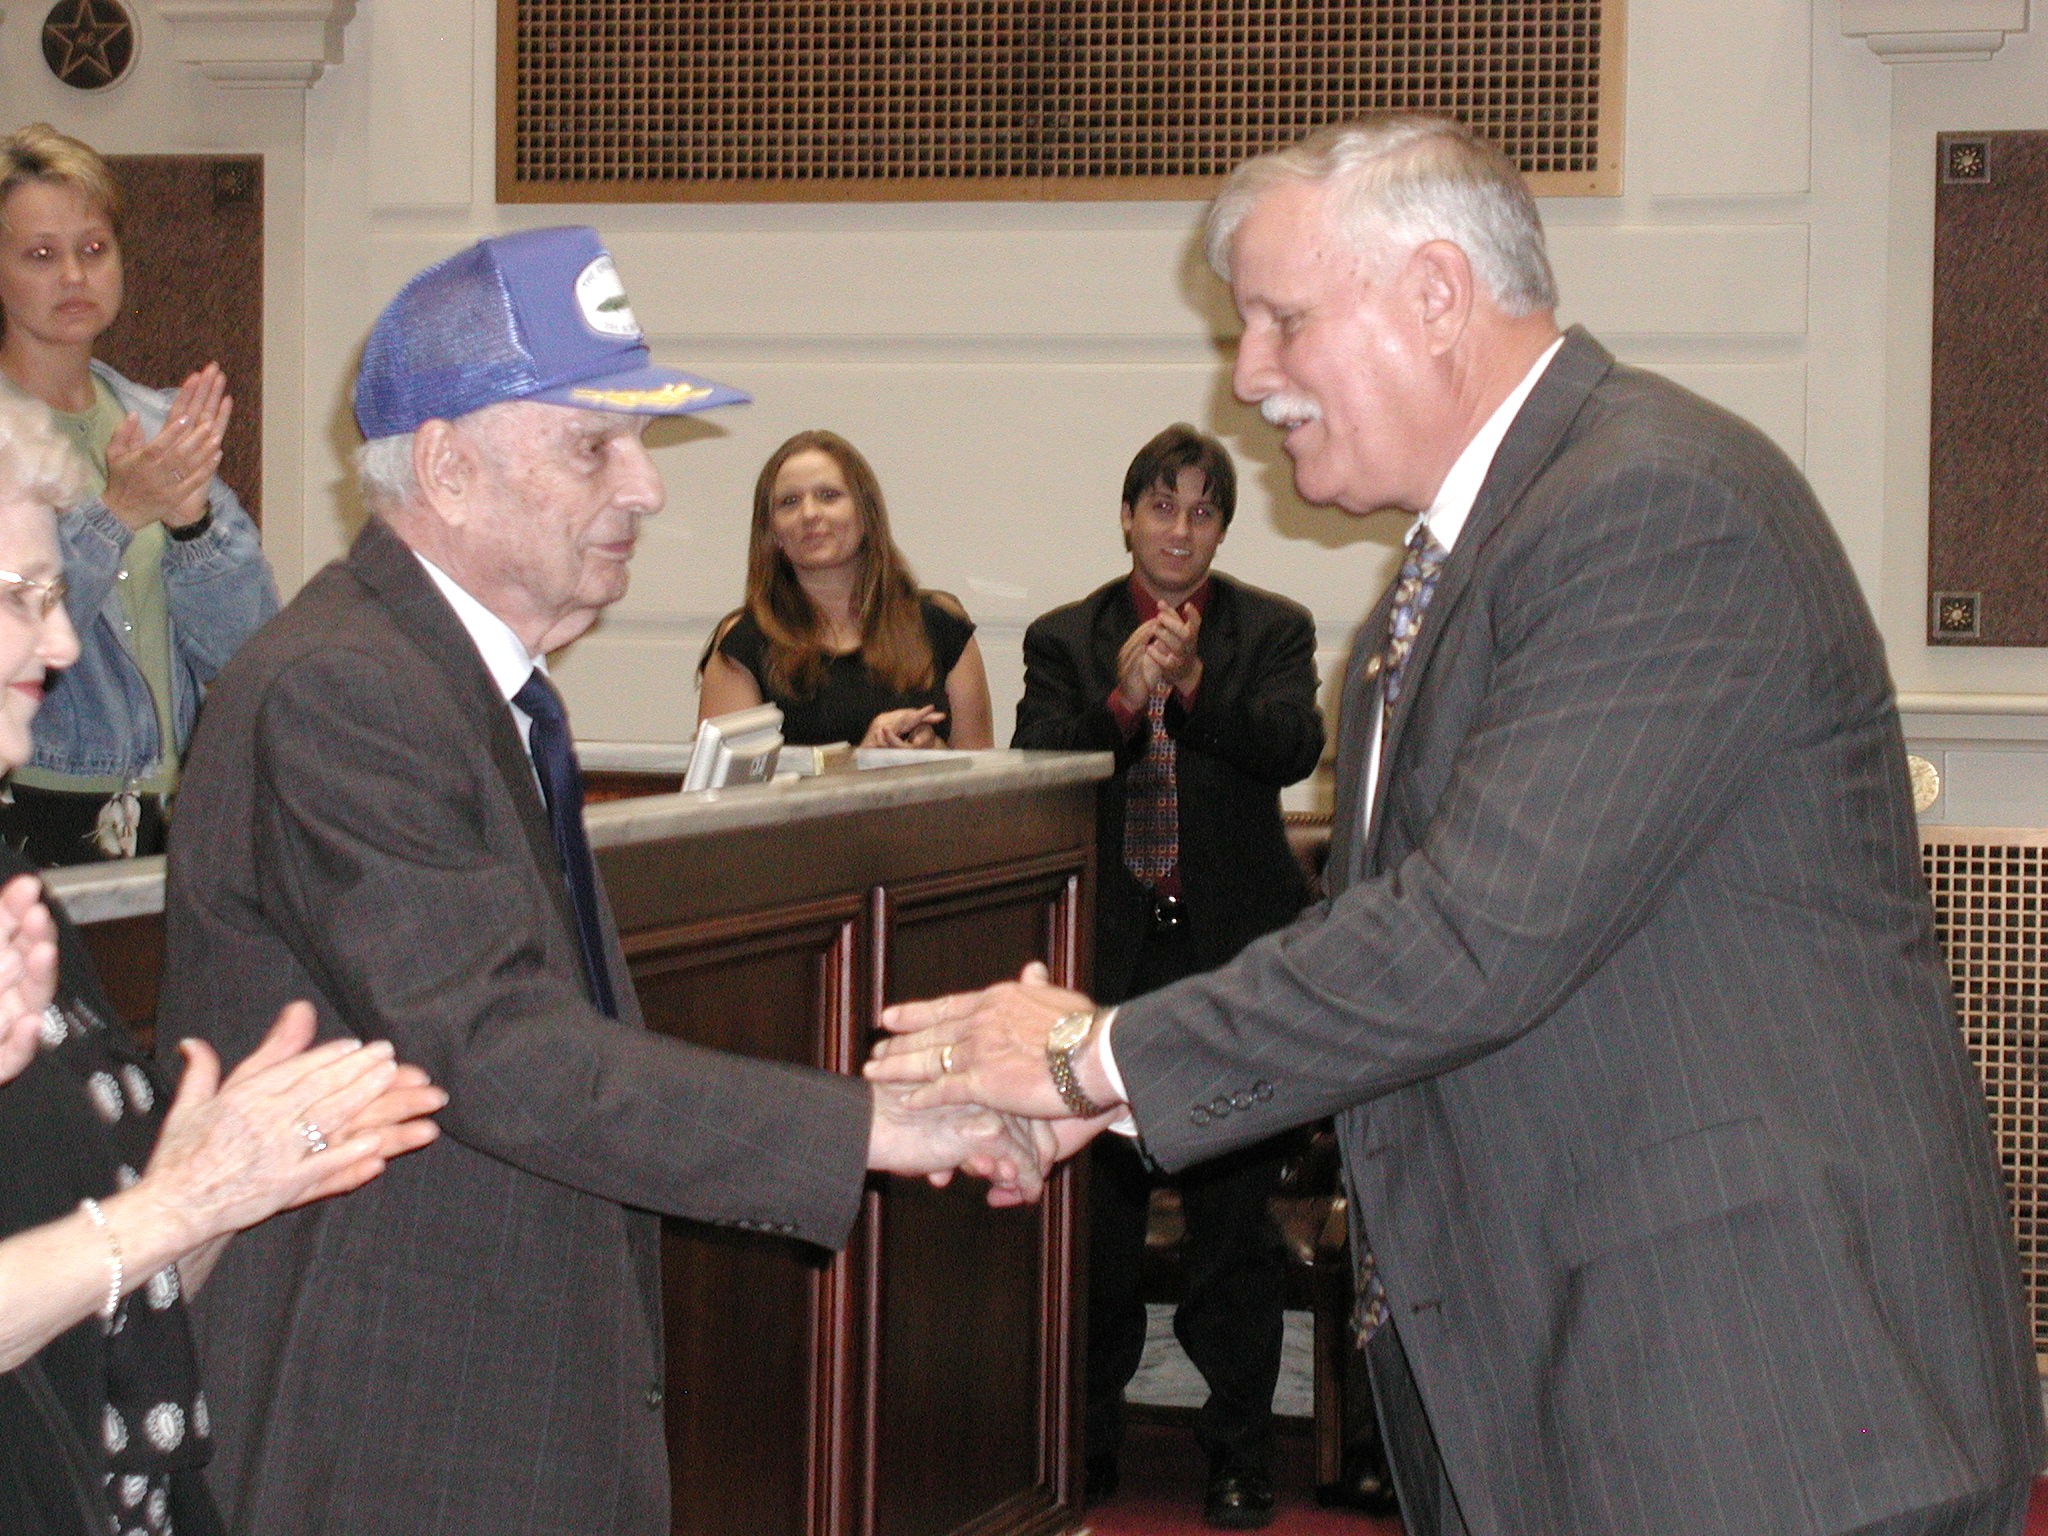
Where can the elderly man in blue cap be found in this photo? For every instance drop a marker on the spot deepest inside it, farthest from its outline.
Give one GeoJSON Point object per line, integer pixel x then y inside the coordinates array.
{"type": "Point", "coordinates": [382, 813]}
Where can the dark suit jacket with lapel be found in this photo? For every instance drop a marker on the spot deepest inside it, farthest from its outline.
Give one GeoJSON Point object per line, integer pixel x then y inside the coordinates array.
{"type": "Point", "coordinates": [471, 1343]}
{"type": "Point", "coordinates": [1253, 730]}
{"type": "Point", "coordinates": [1654, 1108]}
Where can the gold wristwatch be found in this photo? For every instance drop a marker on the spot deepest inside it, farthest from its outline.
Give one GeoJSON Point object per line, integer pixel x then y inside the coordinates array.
{"type": "Point", "coordinates": [1069, 1033]}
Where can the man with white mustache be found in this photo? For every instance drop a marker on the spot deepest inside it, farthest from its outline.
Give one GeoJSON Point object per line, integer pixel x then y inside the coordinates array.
{"type": "Point", "coordinates": [1673, 1206]}
{"type": "Point", "coordinates": [1205, 689]}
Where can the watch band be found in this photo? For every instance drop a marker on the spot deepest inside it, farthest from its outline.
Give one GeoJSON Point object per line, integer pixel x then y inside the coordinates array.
{"type": "Point", "coordinates": [192, 530]}
{"type": "Point", "coordinates": [1060, 1063]}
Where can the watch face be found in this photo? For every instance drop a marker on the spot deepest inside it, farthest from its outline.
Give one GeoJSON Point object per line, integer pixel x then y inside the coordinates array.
{"type": "Point", "coordinates": [1069, 1031]}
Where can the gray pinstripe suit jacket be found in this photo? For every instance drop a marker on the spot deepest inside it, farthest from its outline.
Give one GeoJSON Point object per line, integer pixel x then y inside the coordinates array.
{"type": "Point", "coordinates": [467, 1346]}
{"type": "Point", "coordinates": [1649, 1090]}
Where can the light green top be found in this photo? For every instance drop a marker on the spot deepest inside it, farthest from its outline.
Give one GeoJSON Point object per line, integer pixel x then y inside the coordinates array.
{"type": "Point", "coordinates": [145, 616]}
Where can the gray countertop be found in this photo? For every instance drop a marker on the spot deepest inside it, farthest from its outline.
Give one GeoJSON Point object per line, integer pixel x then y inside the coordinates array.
{"type": "Point", "coordinates": [97, 893]}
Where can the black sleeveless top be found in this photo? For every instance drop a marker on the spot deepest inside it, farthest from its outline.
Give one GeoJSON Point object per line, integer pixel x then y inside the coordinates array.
{"type": "Point", "coordinates": [850, 697]}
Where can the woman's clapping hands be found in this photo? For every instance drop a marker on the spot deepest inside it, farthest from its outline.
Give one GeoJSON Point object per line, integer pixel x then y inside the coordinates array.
{"type": "Point", "coordinates": [294, 1122]}
{"type": "Point", "coordinates": [164, 480]}
{"type": "Point", "coordinates": [28, 971]}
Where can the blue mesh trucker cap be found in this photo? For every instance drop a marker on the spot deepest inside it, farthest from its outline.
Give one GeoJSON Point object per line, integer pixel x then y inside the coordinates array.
{"type": "Point", "coordinates": [538, 315]}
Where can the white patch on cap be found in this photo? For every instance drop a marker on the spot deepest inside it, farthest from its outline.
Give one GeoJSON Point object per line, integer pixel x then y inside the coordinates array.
{"type": "Point", "coordinates": [602, 298]}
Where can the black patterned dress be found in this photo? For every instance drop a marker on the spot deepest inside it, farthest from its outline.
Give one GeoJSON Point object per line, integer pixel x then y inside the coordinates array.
{"type": "Point", "coordinates": [105, 1430]}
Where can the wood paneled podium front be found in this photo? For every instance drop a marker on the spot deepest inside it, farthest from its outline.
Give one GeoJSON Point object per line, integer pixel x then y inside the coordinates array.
{"type": "Point", "coordinates": [925, 1381]}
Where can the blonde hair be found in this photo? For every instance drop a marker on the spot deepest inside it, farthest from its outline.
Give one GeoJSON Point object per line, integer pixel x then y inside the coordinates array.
{"type": "Point", "coordinates": [1406, 180]}
{"type": "Point", "coordinates": [40, 153]}
{"type": "Point", "coordinates": [36, 463]}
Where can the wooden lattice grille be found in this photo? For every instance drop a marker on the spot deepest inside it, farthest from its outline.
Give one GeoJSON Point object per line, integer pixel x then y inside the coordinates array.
{"type": "Point", "coordinates": [1989, 889]}
{"type": "Point", "coordinates": [724, 99]}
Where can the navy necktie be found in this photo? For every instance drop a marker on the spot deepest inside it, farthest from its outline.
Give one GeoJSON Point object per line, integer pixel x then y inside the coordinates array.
{"type": "Point", "coordinates": [561, 783]}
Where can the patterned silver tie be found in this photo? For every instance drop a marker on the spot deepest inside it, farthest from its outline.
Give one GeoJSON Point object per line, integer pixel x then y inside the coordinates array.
{"type": "Point", "coordinates": [1420, 568]}
{"type": "Point", "coordinates": [1413, 589]}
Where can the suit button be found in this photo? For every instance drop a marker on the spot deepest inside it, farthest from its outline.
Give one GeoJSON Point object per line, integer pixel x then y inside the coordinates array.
{"type": "Point", "coordinates": [1240, 1101]}
{"type": "Point", "coordinates": [1199, 1116]}
{"type": "Point", "coordinates": [1219, 1106]}
{"type": "Point", "coordinates": [654, 1395]}
{"type": "Point", "coordinates": [1262, 1091]}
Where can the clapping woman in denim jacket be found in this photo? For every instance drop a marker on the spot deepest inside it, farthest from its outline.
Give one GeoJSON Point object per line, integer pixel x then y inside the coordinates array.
{"type": "Point", "coordinates": [166, 574]}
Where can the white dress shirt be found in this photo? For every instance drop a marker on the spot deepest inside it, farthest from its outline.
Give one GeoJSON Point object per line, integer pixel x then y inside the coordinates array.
{"type": "Point", "coordinates": [1443, 520]}
{"type": "Point", "coordinates": [504, 654]}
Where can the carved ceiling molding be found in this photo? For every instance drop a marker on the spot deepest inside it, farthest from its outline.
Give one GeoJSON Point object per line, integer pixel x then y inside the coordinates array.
{"type": "Point", "coordinates": [258, 44]}
{"type": "Point", "coordinates": [1933, 31]}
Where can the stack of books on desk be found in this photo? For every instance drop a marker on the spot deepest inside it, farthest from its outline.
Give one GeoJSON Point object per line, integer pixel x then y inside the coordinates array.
{"type": "Point", "coordinates": [842, 757]}
{"type": "Point", "coordinates": [809, 762]}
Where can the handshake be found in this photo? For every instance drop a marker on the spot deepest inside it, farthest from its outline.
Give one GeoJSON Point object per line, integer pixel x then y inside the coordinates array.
{"type": "Point", "coordinates": [964, 1084]}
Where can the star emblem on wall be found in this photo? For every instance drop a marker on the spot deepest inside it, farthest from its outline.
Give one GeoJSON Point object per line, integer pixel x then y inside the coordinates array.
{"type": "Point", "coordinates": [1958, 616]}
{"type": "Point", "coordinates": [88, 44]}
{"type": "Point", "coordinates": [1966, 160]}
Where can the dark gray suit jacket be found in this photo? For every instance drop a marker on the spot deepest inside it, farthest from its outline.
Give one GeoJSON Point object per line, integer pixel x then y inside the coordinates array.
{"type": "Point", "coordinates": [1254, 729]}
{"type": "Point", "coordinates": [472, 1343]}
{"type": "Point", "coordinates": [1652, 1103]}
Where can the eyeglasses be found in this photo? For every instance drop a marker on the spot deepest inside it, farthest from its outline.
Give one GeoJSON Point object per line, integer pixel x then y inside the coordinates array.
{"type": "Point", "coordinates": [31, 600]}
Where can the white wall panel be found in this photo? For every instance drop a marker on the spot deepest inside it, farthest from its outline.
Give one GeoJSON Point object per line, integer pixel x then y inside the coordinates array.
{"type": "Point", "coordinates": [1719, 97]}
{"type": "Point", "coordinates": [1046, 284]}
{"type": "Point", "coordinates": [421, 110]}
{"type": "Point", "coordinates": [1735, 281]}
{"type": "Point", "coordinates": [1987, 788]}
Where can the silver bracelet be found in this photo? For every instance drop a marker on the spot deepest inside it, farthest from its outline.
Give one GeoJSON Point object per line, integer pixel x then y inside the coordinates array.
{"type": "Point", "coordinates": [116, 1274]}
